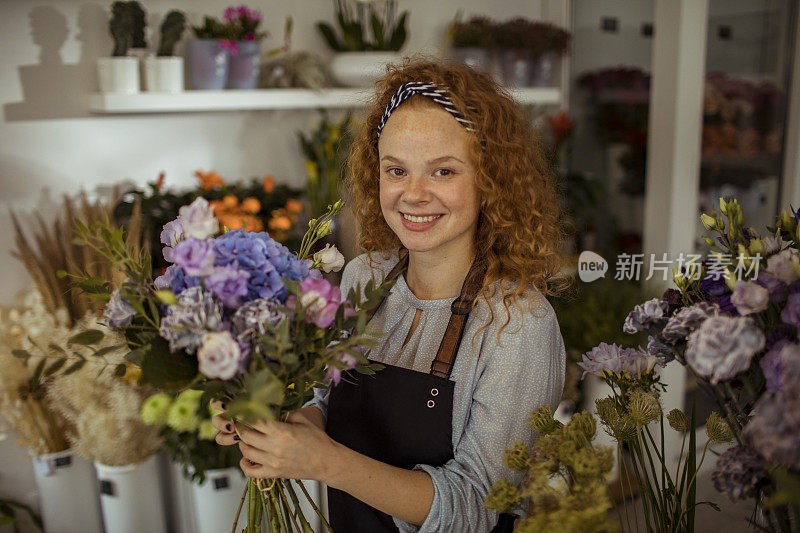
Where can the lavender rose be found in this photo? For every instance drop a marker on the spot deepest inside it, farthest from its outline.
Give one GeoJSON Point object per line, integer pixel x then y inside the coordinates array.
{"type": "Point", "coordinates": [329, 259]}
{"type": "Point", "coordinates": [749, 297]}
{"type": "Point", "coordinates": [195, 257]}
{"type": "Point", "coordinates": [219, 356]}
{"type": "Point", "coordinates": [118, 311]}
{"type": "Point", "coordinates": [197, 219]}
{"type": "Point", "coordinates": [723, 347]}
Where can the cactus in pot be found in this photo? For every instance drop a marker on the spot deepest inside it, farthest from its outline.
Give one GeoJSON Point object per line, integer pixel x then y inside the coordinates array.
{"type": "Point", "coordinates": [171, 31]}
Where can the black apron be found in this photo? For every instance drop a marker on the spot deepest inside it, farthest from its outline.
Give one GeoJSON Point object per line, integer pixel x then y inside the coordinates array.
{"type": "Point", "coordinates": [400, 417]}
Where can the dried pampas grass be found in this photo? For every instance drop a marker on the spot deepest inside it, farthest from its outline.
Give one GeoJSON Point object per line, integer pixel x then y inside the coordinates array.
{"type": "Point", "coordinates": [50, 249]}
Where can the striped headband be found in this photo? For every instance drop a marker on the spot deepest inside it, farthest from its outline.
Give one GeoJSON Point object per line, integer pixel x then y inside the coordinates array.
{"type": "Point", "coordinates": [409, 89]}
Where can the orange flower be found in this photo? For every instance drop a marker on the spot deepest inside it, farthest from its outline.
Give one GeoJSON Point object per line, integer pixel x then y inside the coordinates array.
{"type": "Point", "coordinates": [294, 206]}
{"type": "Point", "coordinates": [250, 205]}
{"type": "Point", "coordinates": [251, 223]}
{"type": "Point", "coordinates": [230, 202]}
{"type": "Point", "coordinates": [160, 182]}
{"type": "Point", "coordinates": [269, 183]}
{"type": "Point", "coordinates": [209, 180]}
{"type": "Point", "coordinates": [560, 125]}
{"type": "Point", "coordinates": [280, 223]}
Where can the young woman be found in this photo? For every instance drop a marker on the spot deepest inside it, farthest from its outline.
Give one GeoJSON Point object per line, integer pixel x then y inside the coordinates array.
{"type": "Point", "coordinates": [454, 201]}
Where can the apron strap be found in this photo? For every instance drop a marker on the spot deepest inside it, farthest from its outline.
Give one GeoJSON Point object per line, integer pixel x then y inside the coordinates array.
{"type": "Point", "coordinates": [442, 364]}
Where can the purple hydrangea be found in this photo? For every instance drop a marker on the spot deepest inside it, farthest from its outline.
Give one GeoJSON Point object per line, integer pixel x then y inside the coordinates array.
{"type": "Point", "coordinates": [118, 311]}
{"type": "Point", "coordinates": [739, 473]}
{"type": "Point", "coordinates": [198, 220]}
{"type": "Point", "coordinates": [749, 297]}
{"type": "Point", "coordinates": [723, 347]}
{"type": "Point", "coordinates": [196, 313]}
{"type": "Point", "coordinates": [687, 320]}
{"type": "Point", "coordinates": [610, 358]}
{"type": "Point", "coordinates": [774, 428]}
{"type": "Point", "coordinates": [650, 313]}
{"type": "Point", "coordinates": [229, 284]}
{"type": "Point", "coordinates": [175, 279]}
{"type": "Point", "coordinates": [195, 257]}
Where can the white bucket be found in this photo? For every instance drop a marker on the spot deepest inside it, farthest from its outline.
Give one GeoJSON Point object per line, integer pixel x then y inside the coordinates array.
{"type": "Point", "coordinates": [131, 497]}
{"type": "Point", "coordinates": [216, 500]}
{"type": "Point", "coordinates": [67, 490]}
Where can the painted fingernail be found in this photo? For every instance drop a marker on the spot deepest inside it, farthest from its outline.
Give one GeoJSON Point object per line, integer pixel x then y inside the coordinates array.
{"type": "Point", "coordinates": [228, 427]}
{"type": "Point", "coordinates": [236, 437]}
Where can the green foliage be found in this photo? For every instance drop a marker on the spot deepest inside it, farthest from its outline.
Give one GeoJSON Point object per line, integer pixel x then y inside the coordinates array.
{"type": "Point", "coordinates": [357, 19]}
{"type": "Point", "coordinates": [213, 29]}
{"type": "Point", "coordinates": [171, 31]}
{"type": "Point", "coordinates": [474, 33]}
{"type": "Point", "coordinates": [8, 513]}
{"type": "Point", "coordinates": [324, 150]}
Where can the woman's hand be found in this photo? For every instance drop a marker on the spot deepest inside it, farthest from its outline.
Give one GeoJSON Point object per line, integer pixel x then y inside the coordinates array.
{"type": "Point", "coordinates": [223, 425]}
{"type": "Point", "coordinates": [295, 449]}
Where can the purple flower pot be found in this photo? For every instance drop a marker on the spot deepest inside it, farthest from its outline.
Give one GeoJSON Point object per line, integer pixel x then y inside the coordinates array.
{"type": "Point", "coordinates": [206, 64]}
{"type": "Point", "coordinates": [546, 70]}
{"type": "Point", "coordinates": [245, 65]}
{"type": "Point", "coordinates": [477, 58]}
{"type": "Point", "coordinates": [517, 67]}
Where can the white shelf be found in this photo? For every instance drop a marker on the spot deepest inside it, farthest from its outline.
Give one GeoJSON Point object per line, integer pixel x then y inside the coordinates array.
{"type": "Point", "coordinates": [237, 100]}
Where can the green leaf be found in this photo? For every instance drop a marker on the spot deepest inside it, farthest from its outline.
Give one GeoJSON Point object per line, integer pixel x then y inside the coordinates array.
{"type": "Point", "coordinates": [37, 372]}
{"type": "Point", "coordinates": [120, 370]}
{"type": "Point", "coordinates": [166, 297]}
{"type": "Point", "coordinates": [330, 36]}
{"type": "Point", "coordinates": [399, 33]}
{"type": "Point", "coordinates": [691, 466]}
{"type": "Point", "coordinates": [55, 367]}
{"type": "Point", "coordinates": [61, 274]}
{"type": "Point", "coordinates": [74, 367]}
{"type": "Point", "coordinates": [108, 349]}
{"type": "Point", "coordinates": [377, 30]}
{"type": "Point", "coordinates": [135, 356]}
{"type": "Point", "coordinates": [21, 354]}
{"type": "Point", "coordinates": [85, 338]}
{"type": "Point", "coordinates": [169, 372]}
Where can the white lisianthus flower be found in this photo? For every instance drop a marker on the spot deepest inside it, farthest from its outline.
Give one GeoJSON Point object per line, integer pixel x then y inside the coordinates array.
{"type": "Point", "coordinates": [329, 259]}
{"type": "Point", "coordinates": [219, 356]}
{"type": "Point", "coordinates": [197, 219]}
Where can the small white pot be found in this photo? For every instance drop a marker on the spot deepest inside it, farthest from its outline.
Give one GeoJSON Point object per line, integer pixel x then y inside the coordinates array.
{"type": "Point", "coordinates": [67, 490]}
{"type": "Point", "coordinates": [216, 500]}
{"type": "Point", "coordinates": [131, 497]}
{"type": "Point", "coordinates": [361, 69]}
{"type": "Point", "coordinates": [163, 74]}
{"type": "Point", "coordinates": [118, 74]}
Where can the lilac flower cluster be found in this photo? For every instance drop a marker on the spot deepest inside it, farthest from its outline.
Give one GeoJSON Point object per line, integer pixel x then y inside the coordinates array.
{"type": "Point", "coordinates": [612, 359]}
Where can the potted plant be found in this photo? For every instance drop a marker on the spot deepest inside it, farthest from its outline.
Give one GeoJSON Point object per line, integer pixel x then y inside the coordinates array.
{"type": "Point", "coordinates": [529, 51]}
{"type": "Point", "coordinates": [207, 56]}
{"type": "Point", "coordinates": [471, 40]}
{"type": "Point", "coordinates": [164, 71]}
{"type": "Point", "coordinates": [371, 36]}
{"type": "Point", "coordinates": [245, 58]}
{"type": "Point", "coordinates": [120, 72]}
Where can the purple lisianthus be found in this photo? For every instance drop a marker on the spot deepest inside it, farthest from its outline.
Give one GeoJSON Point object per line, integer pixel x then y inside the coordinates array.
{"type": "Point", "coordinates": [687, 320]}
{"type": "Point", "coordinates": [171, 235]}
{"type": "Point", "coordinates": [195, 257]}
{"type": "Point", "coordinates": [659, 350]}
{"type": "Point", "coordinates": [719, 293]}
{"type": "Point", "coordinates": [118, 312]}
{"type": "Point", "coordinates": [320, 300]}
{"type": "Point", "coordinates": [739, 473]}
{"type": "Point", "coordinates": [749, 297]}
{"type": "Point", "coordinates": [197, 219]}
{"type": "Point", "coordinates": [253, 317]}
{"type": "Point", "coordinates": [791, 311]}
{"type": "Point", "coordinates": [610, 358]}
{"type": "Point", "coordinates": [773, 364]}
{"type": "Point", "coordinates": [723, 347]}
{"type": "Point", "coordinates": [334, 373]}
{"type": "Point", "coordinates": [650, 313]}
{"type": "Point", "coordinates": [774, 427]}
{"type": "Point", "coordinates": [185, 323]}
{"type": "Point", "coordinates": [777, 289]}
{"type": "Point", "coordinates": [219, 355]}
{"type": "Point", "coordinates": [784, 265]}
{"type": "Point", "coordinates": [229, 284]}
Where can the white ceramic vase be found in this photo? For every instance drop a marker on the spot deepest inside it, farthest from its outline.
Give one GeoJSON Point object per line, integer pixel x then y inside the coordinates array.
{"type": "Point", "coordinates": [163, 74]}
{"type": "Point", "coordinates": [216, 500]}
{"type": "Point", "coordinates": [361, 69]}
{"type": "Point", "coordinates": [118, 74]}
{"type": "Point", "coordinates": [67, 490]}
{"type": "Point", "coordinates": [131, 497]}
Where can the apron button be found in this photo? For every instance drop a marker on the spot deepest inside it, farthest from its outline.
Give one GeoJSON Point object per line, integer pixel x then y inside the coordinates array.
{"type": "Point", "coordinates": [434, 392]}
{"type": "Point", "coordinates": [431, 403]}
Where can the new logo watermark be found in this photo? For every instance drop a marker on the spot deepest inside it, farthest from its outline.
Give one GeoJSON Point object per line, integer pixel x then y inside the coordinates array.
{"type": "Point", "coordinates": [591, 266]}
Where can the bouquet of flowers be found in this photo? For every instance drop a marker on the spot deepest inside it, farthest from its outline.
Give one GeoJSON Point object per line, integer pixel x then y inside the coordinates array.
{"type": "Point", "coordinates": [734, 326]}
{"type": "Point", "coordinates": [240, 319]}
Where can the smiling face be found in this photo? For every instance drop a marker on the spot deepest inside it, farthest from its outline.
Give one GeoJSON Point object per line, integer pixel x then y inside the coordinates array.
{"type": "Point", "coordinates": [427, 180]}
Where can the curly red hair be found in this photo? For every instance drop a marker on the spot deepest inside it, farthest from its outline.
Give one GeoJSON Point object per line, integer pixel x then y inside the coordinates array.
{"type": "Point", "coordinates": [517, 232]}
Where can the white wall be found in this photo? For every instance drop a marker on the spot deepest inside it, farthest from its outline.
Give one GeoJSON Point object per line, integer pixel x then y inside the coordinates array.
{"type": "Point", "coordinates": [49, 141]}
